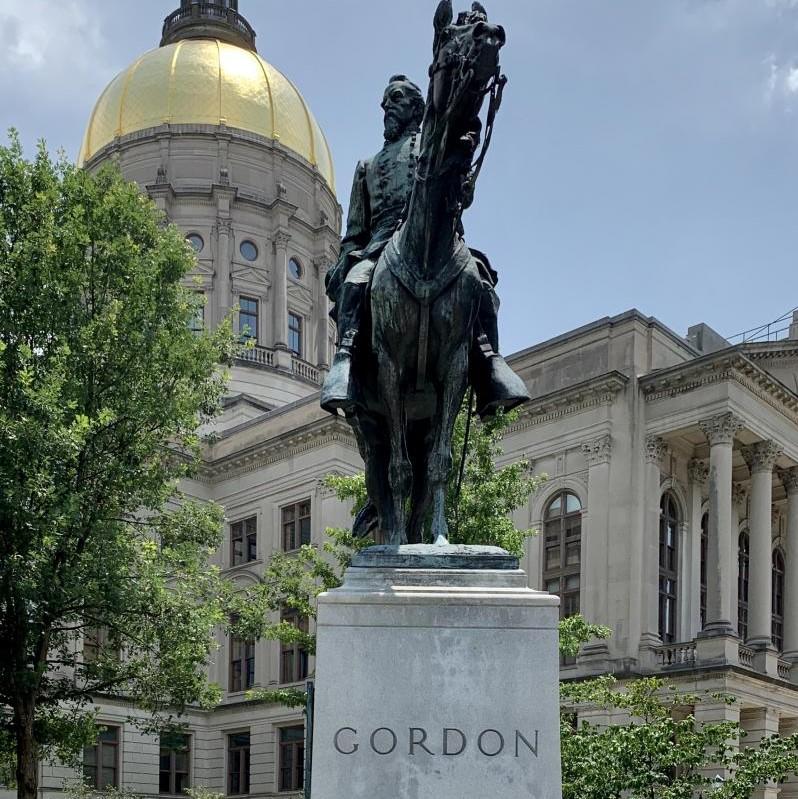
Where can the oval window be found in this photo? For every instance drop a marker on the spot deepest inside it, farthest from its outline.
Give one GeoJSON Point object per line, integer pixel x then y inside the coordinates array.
{"type": "Point", "coordinates": [249, 250]}
{"type": "Point", "coordinates": [295, 269]}
{"type": "Point", "coordinates": [196, 242]}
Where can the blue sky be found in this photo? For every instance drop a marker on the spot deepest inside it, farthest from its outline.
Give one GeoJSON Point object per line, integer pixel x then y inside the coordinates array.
{"type": "Point", "coordinates": [646, 154]}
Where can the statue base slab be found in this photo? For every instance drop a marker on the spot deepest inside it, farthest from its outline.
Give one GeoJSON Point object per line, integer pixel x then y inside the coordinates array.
{"type": "Point", "coordinates": [436, 684]}
{"type": "Point", "coordinates": [435, 556]}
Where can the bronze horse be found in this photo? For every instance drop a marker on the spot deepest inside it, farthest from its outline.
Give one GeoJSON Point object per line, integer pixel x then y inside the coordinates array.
{"type": "Point", "coordinates": [426, 290]}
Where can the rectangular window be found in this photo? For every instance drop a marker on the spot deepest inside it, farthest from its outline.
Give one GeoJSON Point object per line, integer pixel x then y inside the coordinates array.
{"type": "Point", "coordinates": [101, 760]}
{"type": "Point", "coordinates": [197, 322]}
{"type": "Point", "coordinates": [293, 659]}
{"type": "Point", "coordinates": [295, 334]}
{"type": "Point", "coordinates": [296, 525]}
{"type": "Point", "coordinates": [248, 318]}
{"type": "Point", "coordinates": [238, 763]}
{"type": "Point", "coordinates": [244, 541]}
{"type": "Point", "coordinates": [242, 664]}
{"type": "Point", "coordinates": [175, 751]}
{"type": "Point", "coordinates": [292, 758]}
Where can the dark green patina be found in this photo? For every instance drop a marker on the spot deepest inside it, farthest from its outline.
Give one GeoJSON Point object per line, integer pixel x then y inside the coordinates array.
{"type": "Point", "coordinates": [415, 307]}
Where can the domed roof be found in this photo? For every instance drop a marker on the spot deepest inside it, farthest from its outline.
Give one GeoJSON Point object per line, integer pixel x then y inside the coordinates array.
{"type": "Point", "coordinates": [207, 82]}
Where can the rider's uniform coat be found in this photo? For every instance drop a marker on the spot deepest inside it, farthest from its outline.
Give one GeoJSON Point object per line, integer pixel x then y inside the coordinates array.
{"type": "Point", "coordinates": [380, 191]}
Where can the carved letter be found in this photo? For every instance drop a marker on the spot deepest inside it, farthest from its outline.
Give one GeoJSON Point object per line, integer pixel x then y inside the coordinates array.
{"type": "Point", "coordinates": [501, 743]}
{"type": "Point", "coordinates": [337, 745]}
{"type": "Point", "coordinates": [446, 732]}
{"type": "Point", "coordinates": [533, 749]}
{"type": "Point", "coordinates": [374, 735]}
{"type": "Point", "coordinates": [414, 743]}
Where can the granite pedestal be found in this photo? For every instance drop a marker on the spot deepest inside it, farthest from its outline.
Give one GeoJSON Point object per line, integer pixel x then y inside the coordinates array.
{"type": "Point", "coordinates": [436, 683]}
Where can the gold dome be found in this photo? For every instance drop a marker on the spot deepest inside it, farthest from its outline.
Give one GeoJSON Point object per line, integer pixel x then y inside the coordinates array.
{"type": "Point", "coordinates": [207, 82]}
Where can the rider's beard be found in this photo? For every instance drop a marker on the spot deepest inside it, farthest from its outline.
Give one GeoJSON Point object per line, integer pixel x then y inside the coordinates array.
{"type": "Point", "coordinates": [395, 126]}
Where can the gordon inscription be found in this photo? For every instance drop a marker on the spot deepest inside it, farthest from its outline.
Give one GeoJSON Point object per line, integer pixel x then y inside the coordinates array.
{"type": "Point", "coordinates": [449, 742]}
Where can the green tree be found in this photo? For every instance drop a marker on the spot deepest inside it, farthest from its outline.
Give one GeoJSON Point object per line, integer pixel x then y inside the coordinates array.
{"type": "Point", "coordinates": [104, 581]}
{"type": "Point", "coordinates": [478, 511]}
{"type": "Point", "coordinates": [658, 750]}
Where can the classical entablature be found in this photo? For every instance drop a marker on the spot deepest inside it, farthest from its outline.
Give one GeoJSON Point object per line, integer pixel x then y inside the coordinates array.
{"type": "Point", "coordinates": [732, 366]}
{"type": "Point", "coordinates": [288, 444]}
{"type": "Point", "coordinates": [597, 391]}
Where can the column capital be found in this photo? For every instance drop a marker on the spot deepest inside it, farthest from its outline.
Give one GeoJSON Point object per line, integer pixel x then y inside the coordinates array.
{"type": "Point", "coordinates": [655, 449]}
{"type": "Point", "coordinates": [322, 263]}
{"type": "Point", "coordinates": [224, 225]}
{"type": "Point", "coordinates": [697, 471]}
{"type": "Point", "coordinates": [597, 451]}
{"type": "Point", "coordinates": [789, 479]}
{"type": "Point", "coordinates": [739, 494]}
{"type": "Point", "coordinates": [721, 429]}
{"type": "Point", "coordinates": [761, 457]}
{"type": "Point", "coordinates": [281, 238]}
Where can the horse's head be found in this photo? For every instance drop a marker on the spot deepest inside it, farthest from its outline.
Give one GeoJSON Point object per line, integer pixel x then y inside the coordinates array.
{"type": "Point", "coordinates": [465, 66]}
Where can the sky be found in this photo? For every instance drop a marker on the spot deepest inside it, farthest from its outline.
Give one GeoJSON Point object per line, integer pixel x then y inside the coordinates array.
{"type": "Point", "coordinates": [646, 154]}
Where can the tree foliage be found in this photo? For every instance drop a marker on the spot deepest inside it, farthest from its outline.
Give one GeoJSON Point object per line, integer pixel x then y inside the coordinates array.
{"type": "Point", "coordinates": [648, 745]}
{"type": "Point", "coordinates": [102, 388]}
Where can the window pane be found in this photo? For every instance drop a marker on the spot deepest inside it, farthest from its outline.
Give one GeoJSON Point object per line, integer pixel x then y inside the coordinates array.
{"type": "Point", "coordinates": [163, 782]}
{"type": "Point", "coordinates": [108, 778]}
{"type": "Point", "coordinates": [555, 508]}
{"type": "Point", "coordinates": [110, 734]}
{"type": "Point", "coordinates": [572, 504]}
{"type": "Point", "coordinates": [305, 527]}
{"type": "Point", "coordinates": [292, 734]}
{"type": "Point", "coordinates": [553, 558]}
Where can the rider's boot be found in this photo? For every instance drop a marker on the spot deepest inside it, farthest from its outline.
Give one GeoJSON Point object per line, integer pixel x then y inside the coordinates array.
{"type": "Point", "coordinates": [338, 389]}
{"type": "Point", "coordinates": [495, 384]}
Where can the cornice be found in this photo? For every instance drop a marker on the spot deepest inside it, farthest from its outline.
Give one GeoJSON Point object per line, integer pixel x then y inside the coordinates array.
{"type": "Point", "coordinates": [273, 450]}
{"type": "Point", "coordinates": [771, 350]}
{"type": "Point", "coordinates": [729, 365]}
{"type": "Point", "coordinates": [591, 393]}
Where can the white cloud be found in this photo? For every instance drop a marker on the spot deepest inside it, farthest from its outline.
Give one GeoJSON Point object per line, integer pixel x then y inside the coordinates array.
{"type": "Point", "coordinates": [45, 36]}
{"type": "Point", "coordinates": [781, 85]}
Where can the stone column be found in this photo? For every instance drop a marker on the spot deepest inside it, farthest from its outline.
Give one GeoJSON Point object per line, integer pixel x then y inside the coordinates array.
{"type": "Point", "coordinates": [224, 294]}
{"type": "Point", "coordinates": [596, 542]}
{"type": "Point", "coordinates": [655, 451]}
{"type": "Point", "coordinates": [720, 430]}
{"type": "Point", "coordinates": [761, 458]}
{"type": "Point", "coordinates": [714, 711]}
{"type": "Point", "coordinates": [280, 301]}
{"type": "Point", "coordinates": [322, 319]}
{"type": "Point", "coordinates": [790, 480]}
{"type": "Point", "coordinates": [762, 722]}
{"type": "Point", "coordinates": [697, 472]}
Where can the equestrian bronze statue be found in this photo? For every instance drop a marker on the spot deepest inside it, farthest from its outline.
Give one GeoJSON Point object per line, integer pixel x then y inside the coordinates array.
{"type": "Point", "coordinates": [415, 307]}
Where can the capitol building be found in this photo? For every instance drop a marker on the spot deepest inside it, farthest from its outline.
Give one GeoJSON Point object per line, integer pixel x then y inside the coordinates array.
{"type": "Point", "coordinates": [671, 509]}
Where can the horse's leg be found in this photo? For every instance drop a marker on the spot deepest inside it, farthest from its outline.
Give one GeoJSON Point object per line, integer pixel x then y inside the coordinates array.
{"type": "Point", "coordinates": [419, 445]}
{"type": "Point", "coordinates": [440, 457]}
{"type": "Point", "coordinates": [373, 446]}
{"type": "Point", "coordinates": [400, 473]}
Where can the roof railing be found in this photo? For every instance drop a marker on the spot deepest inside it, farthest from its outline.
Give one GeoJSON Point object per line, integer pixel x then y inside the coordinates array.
{"type": "Point", "coordinates": [208, 19]}
{"type": "Point", "coordinates": [776, 330]}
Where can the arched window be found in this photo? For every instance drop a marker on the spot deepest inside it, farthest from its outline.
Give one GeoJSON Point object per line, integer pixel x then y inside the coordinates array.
{"type": "Point", "coordinates": [704, 549]}
{"type": "Point", "coordinates": [777, 606]}
{"type": "Point", "coordinates": [668, 566]}
{"type": "Point", "coordinates": [562, 529]}
{"type": "Point", "coordinates": [743, 570]}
